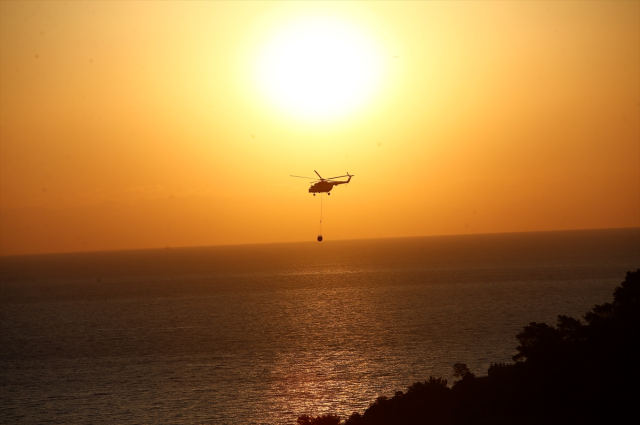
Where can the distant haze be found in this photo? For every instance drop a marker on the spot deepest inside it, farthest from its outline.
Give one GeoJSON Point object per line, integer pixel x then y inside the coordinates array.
{"type": "Point", "coordinates": [141, 125]}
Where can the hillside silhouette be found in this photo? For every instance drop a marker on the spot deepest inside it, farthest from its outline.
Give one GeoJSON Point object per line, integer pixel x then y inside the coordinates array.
{"type": "Point", "coordinates": [576, 372]}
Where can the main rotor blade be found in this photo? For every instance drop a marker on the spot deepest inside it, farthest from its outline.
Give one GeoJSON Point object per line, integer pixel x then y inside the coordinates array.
{"type": "Point", "coordinates": [302, 177]}
{"type": "Point", "coordinates": [337, 177]}
{"type": "Point", "coordinates": [318, 175]}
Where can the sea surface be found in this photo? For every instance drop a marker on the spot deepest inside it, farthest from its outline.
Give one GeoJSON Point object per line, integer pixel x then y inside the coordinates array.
{"type": "Point", "coordinates": [260, 334]}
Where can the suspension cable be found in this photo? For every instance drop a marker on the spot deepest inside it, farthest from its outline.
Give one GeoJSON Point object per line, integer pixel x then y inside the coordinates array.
{"type": "Point", "coordinates": [320, 227]}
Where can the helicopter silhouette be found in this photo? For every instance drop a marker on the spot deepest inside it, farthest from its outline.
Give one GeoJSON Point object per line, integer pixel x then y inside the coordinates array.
{"type": "Point", "coordinates": [324, 185]}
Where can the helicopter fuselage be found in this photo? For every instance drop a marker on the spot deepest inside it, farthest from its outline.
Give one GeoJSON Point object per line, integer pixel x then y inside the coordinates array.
{"type": "Point", "coordinates": [321, 187]}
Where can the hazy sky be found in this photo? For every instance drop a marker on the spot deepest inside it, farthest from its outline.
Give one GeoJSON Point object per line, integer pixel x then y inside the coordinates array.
{"type": "Point", "coordinates": [151, 124]}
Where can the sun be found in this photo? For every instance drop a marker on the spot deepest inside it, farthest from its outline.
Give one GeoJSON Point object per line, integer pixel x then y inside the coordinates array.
{"type": "Point", "coordinates": [319, 68]}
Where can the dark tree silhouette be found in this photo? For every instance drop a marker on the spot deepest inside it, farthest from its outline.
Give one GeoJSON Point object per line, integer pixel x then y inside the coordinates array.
{"type": "Point", "coordinates": [424, 402]}
{"type": "Point", "coordinates": [578, 370]}
{"type": "Point", "coordinates": [319, 420]}
{"type": "Point", "coordinates": [572, 373]}
{"type": "Point", "coordinates": [460, 370]}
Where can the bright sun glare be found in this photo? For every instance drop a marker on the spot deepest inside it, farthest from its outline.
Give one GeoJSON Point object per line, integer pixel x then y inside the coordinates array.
{"type": "Point", "coordinates": [319, 68]}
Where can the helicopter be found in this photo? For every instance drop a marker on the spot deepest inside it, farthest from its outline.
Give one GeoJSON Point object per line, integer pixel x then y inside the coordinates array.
{"type": "Point", "coordinates": [325, 185]}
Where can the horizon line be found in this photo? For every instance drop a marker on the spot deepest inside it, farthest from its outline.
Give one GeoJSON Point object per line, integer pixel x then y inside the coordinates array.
{"type": "Point", "coordinates": [310, 241]}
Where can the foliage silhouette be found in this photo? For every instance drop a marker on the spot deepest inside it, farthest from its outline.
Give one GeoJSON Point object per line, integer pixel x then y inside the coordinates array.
{"type": "Point", "coordinates": [572, 373]}
{"type": "Point", "coordinates": [328, 419]}
{"type": "Point", "coordinates": [460, 370]}
{"type": "Point", "coordinates": [424, 401]}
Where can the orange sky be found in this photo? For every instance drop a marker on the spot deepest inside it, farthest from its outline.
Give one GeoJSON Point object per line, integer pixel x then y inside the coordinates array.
{"type": "Point", "coordinates": [140, 124]}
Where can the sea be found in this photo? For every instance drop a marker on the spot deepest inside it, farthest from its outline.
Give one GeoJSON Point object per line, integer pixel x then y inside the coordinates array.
{"type": "Point", "coordinates": [260, 334]}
